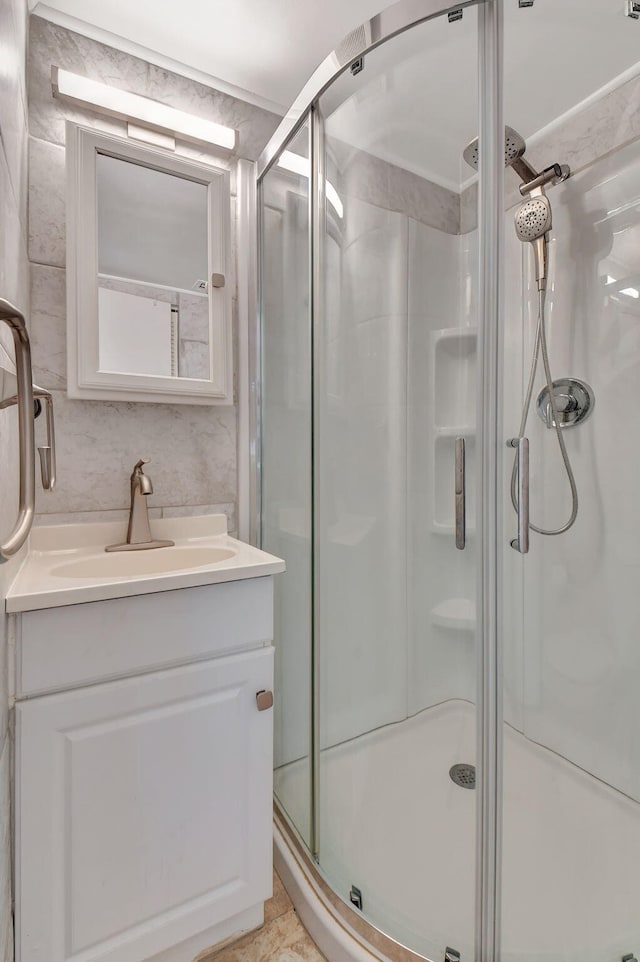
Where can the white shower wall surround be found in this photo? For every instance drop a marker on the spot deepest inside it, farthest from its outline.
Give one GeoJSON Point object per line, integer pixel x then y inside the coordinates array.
{"type": "Point", "coordinates": [574, 663]}
{"type": "Point", "coordinates": [194, 449]}
{"type": "Point", "coordinates": [576, 649]}
{"type": "Point", "coordinates": [401, 285]}
{"type": "Point", "coordinates": [396, 282]}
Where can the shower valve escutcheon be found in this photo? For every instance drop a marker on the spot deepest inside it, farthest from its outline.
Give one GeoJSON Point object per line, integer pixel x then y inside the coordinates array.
{"type": "Point", "coordinates": [574, 402]}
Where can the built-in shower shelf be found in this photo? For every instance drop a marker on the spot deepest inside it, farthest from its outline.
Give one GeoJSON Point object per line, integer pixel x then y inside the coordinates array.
{"type": "Point", "coordinates": [454, 363]}
{"type": "Point", "coordinates": [460, 432]}
{"type": "Point", "coordinates": [456, 613]}
{"type": "Point", "coordinates": [449, 529]}
{"type": "Point", "coordinates": [466, 334]}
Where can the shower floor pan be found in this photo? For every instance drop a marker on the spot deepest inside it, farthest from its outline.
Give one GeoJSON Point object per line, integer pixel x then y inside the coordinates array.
{"type": "Point", "coordinates": [394, 825]}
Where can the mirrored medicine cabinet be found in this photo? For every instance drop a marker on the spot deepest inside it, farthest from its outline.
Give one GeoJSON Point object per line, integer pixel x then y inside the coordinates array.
{"type": "Point", "coordinates": [148, 274]}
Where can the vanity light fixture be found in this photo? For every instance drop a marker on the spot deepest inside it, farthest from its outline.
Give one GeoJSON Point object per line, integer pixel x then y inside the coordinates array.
{"type": "Point", "coordinates": [127, 106]}
{"type": "Point", "coordinates": [296, 164]}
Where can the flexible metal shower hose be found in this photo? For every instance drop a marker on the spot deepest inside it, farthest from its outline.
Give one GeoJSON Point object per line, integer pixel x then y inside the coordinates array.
{"type": "Point", "coordinates": [541, 342]}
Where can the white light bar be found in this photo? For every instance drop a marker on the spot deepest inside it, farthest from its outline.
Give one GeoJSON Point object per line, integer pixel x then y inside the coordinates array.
{"type": "Point", "coordinates": [128, 106]}
{"type": "Point", "coordinates": [334, 200]}
{"type": "Point", "coordinates": [296, 164]}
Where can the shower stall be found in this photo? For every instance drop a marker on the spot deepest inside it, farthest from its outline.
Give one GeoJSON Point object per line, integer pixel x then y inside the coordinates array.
{"type": "Point", "coordinates": [447, 362]}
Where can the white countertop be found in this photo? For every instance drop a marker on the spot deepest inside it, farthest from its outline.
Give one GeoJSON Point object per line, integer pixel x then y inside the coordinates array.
{"type": "Point", "coordinates": [52, 548]}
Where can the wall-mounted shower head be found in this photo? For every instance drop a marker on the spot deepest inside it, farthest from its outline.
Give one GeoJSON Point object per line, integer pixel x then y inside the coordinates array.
{"type": "Point", "coordinates": [514, 148]}
{"type": "Point", "coordinates": [533, 217]}
{"type": "Point", "coordinates": [533, 222]}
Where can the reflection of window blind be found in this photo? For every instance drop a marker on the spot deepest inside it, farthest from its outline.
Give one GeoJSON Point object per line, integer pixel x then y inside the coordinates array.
{"type": "Point", "coordinates": [175, 322]}
{"type": "Point", "coordinates": [136, 334]}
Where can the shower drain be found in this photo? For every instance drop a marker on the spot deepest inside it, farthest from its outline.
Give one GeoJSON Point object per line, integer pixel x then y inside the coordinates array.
{"type": "Point", "coordinates": [463, 775]}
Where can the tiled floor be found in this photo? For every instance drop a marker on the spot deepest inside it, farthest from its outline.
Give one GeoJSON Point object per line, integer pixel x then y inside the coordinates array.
{"type": "Point", "coordinates": [281, 939]}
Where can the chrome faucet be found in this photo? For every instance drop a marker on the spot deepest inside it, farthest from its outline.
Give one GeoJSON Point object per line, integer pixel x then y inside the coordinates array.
{"type": "Point", "coordinates": [139, 532]}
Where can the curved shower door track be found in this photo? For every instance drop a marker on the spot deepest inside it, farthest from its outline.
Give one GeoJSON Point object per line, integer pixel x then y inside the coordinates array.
{"type": "Point", "coordinates": [364, 936]}
{"type": "Point", "coordinates": [384, 26]}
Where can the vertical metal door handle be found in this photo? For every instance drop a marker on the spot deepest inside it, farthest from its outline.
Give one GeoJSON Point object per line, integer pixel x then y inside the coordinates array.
{"type": "Point", "coordinates": [521, 543]}
{"type": "Point", "coordinates": [47, 451]}
{"type": "Point", "coordinates": [460, 494]}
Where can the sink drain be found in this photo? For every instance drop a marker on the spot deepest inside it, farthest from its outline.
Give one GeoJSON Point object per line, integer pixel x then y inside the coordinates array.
{"type": "Point", "coordinates": [463, 775]}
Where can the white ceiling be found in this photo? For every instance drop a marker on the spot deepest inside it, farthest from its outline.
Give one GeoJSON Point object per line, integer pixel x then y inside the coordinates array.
{"type": "Point", "coordinates": [265, 47]}
{"type": "Point", "coordinates": [415, 102]}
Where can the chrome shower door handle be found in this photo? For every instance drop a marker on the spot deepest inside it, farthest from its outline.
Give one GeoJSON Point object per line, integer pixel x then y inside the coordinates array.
{"type": "Point", "coordinates": [460, 494]}
{"type": "Point", "coordinates": [521, 543]}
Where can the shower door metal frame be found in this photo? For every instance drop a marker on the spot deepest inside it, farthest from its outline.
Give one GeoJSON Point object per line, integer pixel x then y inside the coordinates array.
{"type": "Point", "coordinates": [490, 448]}
{"type": "Point", "coordinates": [397, 19]}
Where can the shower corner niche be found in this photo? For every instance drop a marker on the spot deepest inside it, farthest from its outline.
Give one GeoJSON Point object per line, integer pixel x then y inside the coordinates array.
{"type": "Point", "coordinates": [453, 403]}
{"type": "Point", "coordinates": [454, 380]}
{"type": "Point", "coordinates": [453, 376]}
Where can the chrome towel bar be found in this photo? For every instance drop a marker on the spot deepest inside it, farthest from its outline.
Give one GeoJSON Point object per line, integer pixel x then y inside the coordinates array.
{"type": "Point", "coordinates": [26, 503]}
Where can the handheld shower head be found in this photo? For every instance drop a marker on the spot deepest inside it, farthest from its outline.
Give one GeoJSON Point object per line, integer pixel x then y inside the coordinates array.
{"type": "Point", "coordinates": [514, 148]}
{"type": "Point", "coordinates": [533, 218]}
{"type": "Point", "coordinates": [532, 223]}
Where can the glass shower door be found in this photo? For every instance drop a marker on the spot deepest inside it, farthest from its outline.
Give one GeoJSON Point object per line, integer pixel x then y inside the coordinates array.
{"type": "Point", "coordinates": [571, 847]}
{"type": "Point", "coordinates": [395, 448]}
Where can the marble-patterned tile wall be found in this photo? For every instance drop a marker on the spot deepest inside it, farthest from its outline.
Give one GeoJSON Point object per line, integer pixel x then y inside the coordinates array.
{"type": "Point", "coordinates": [367, 178]}
{"type": "Point", "coordinates": [585, 136]}
{"type": "Point", "coordinates": [192, 448]}
{"type": "Point", "coordinates": [14, 286]}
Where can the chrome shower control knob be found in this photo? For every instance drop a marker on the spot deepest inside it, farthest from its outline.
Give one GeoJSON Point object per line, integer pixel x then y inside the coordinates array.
{"type": "Point", "coordinates": [574, 401]}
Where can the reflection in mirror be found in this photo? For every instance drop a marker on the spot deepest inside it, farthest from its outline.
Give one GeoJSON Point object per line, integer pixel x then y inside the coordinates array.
{"type": "Point", "coordinates": [148, 257]}
{"type": "Point", "coordinates": [153, 302]}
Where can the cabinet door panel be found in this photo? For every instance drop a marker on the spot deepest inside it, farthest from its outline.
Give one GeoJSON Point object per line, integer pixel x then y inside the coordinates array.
{"type": "Point", "coordinates": [144, 810]}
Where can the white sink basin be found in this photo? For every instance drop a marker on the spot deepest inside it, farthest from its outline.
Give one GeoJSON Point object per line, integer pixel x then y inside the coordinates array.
{"type": "Point", "coordinates": [150, 561]}
{"type": "Point", "coordinates": [68, 565]}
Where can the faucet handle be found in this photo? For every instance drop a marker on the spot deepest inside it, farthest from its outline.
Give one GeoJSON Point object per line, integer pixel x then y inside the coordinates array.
{"type": "Point", "coordinates": [139, 464]}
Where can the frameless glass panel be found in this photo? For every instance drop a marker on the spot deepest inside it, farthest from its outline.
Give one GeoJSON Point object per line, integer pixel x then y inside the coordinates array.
{"type": "Point", "coordinates": [153, 303]}
{"type": "Point", "coordinates": [571, 889]}
{"type": "Point", "coordinates": [397, 357]}
{"type": "Point", "coordinates": [286, 522]}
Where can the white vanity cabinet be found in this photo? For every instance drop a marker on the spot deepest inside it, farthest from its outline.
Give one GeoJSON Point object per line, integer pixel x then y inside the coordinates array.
{"type": "Point", "coordinates": [143, 774]}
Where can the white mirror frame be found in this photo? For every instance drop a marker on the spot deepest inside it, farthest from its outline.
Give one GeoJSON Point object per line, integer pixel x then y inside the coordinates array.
{"type": "Point", "coordinates": [84, 378]}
